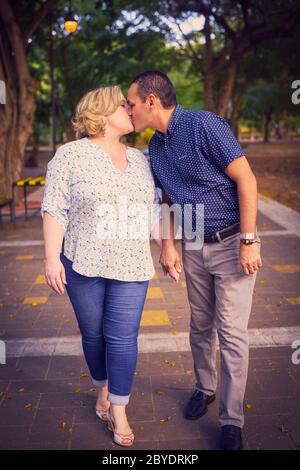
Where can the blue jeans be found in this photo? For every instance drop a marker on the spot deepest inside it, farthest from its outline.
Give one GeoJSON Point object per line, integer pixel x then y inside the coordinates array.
{"type": "Point", "coordinates": [108, 312]}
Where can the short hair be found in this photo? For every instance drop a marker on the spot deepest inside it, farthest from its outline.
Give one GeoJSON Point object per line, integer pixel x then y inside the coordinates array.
{"type": "Point", "coordinates": [94, 106]}
{"type": "Point", "coordinates": [158, 83]}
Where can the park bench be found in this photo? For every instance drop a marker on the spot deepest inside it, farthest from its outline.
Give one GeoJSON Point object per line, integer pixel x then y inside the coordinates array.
{"type": "Point", "coordinates": [26, 183]}
{"type": "Point", "coordinates": [6, 202]}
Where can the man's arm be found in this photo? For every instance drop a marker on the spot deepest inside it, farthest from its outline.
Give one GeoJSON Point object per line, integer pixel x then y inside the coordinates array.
{"type": "Point", "coordinates": [169, 258]}
{"type": "Point", "coordinates": [239, 171]}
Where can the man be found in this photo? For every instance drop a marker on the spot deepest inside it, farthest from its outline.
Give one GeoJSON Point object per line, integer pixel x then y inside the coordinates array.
{"type": "Point", "coordinates": [196, 160]}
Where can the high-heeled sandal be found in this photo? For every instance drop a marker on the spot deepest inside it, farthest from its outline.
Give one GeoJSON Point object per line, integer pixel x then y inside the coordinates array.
{"type": "Point", "coordinates": [124, 440]}
{"type": "Point", "coordinates": [102, 414]}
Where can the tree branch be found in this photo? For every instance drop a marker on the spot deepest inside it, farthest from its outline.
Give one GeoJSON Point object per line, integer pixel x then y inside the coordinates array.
{"type": "Point", "coordinates": [15, 38]}
{"type": "Point", "coordinates": [207, 33]}
{"type": "Point", "coordinates": [193, 52]}
{"type": "Point", "coordinates": [38, 17]}
{"type": "Point", "coordinates": [284, 28]}
{"type": "Point", "coordinates": [219, 59]}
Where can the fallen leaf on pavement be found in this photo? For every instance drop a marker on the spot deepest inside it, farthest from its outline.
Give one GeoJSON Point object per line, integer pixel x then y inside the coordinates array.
{"type": "Point", "coordinates": [63, 425]}
{"type": "Point", "coordinates": [282, 428]}
{"type": "Point", "coordinates": [165, 420]}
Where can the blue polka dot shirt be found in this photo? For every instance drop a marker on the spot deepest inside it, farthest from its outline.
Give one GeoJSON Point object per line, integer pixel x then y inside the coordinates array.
{"type": "Point", "coordinates": [189, 162]}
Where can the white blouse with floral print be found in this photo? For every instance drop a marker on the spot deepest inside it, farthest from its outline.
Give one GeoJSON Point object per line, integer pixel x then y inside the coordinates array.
{"type": "Point", "coordinates": [90, 197]}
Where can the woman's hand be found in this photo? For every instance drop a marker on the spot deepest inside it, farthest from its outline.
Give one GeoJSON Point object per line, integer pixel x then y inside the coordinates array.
{"type": "Point", "coordinates": [55, 275]}
{"type": "Point", "coordinates": [170, 261]}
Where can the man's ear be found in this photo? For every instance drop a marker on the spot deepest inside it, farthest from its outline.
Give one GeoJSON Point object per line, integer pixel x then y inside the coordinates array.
{"type": "Point", "coordinates": [151, 100]}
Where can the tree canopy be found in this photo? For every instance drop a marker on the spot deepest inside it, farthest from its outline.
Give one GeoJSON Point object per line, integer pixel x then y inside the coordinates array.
{"type": "Point", "coordinates": [237, 58]}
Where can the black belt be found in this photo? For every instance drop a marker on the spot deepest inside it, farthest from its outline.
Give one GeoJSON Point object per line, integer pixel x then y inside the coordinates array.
{"type": "Point", "coordinates": [221, 234]}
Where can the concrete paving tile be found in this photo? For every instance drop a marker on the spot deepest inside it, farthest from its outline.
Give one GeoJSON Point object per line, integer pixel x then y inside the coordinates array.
{"type": "Point", "coordinates": [42, 386]}
{"type": "Point", "coordinates": [93, 435]}
{"type": "Point", "coordinates": [14, 437]}
{"type": "Point", "coordinates": [64, 367]}
{"type": "Point", "coordinates": [8, 370]}
{"type": "Point", "coordinates": [264, 433]}
{"type": "Point", "coordinates": [182, 444]}
{"type": "Point", "coordinates": [51, 426]}
{"type": "Point", "coordinates": [33, 367]}
{"type": "Point", "coordinates": [276, 384]}
{"type": "Point", "coordinates": [18, 409]}
{"type": "Point", "coordinates": [30, 333]}
{"type": "Point", "coordinates": [291, 424]}
{"type": "Point", "coordinates": [47, 445]}
{"type": "Point", "coordinates": [144, 431]}
{"type": "Point", "coordinates": [165, 363]}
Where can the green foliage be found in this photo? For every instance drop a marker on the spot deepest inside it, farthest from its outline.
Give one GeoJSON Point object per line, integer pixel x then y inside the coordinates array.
{"type": "Point", "coordinates": [106, 49]}
{"type": "Point", "coordinates": [117, 39]}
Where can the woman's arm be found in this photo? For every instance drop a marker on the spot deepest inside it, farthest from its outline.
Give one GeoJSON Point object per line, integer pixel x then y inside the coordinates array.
{"type": "Point", "coordinates": [169, 258]}
{"type": "Point", "coordinates": [156, 233]}
{"type": "Point", "coordinates": [54, 210]}
{"type": "Point", "coordinates": [53, 238]}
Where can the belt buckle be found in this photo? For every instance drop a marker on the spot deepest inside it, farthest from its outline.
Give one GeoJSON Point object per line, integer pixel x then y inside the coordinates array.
{"type": "Point", "coordinates": [218, 236]}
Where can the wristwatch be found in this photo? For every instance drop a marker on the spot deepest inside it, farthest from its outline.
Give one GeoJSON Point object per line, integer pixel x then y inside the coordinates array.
{"type": "Point", "coordinates": [249, 238]}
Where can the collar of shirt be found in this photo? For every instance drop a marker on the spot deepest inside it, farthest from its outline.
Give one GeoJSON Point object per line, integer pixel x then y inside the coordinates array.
{"type": "Point", "coordinates": [172, 123]}
{"type": "Point", "coordinates": [130, 152]}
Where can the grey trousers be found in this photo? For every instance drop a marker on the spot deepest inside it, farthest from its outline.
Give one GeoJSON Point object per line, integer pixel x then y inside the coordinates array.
{"type": "Point", "coordinates": [220, 298]}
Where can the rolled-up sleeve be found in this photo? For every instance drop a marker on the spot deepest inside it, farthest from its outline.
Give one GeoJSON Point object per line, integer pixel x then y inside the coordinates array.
{"type": "Point", "coordinates": [56, 199]}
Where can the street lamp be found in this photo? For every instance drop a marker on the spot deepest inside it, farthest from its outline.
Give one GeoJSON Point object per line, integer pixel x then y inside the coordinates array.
{"type": "Point", "coordinates": [70, 22]}
{"type": "Point", "coordinates": [70, 25]}
{"type": "Point", "coordinates": [53, 84]}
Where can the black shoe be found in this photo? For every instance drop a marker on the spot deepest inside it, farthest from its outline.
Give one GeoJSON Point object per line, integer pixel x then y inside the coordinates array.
{"type": "Point", "coordinates": [197, 406]}
{"type": "Point", "coordinates": [231, 438]}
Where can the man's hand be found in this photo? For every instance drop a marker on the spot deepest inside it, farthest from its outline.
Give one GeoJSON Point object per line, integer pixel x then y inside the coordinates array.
{"type": "Point", "coordinates": [170, 261]}
{"type": "Point", "coordinates": [250, 258]}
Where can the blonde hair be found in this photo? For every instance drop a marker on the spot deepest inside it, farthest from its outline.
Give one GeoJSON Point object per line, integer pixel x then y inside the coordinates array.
{"type": "Point", "coordinates": [94, 106]}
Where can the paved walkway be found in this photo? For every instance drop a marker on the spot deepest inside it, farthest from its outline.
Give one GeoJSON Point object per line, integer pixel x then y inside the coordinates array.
{"type": "Point", "coordinates": [46, 397]}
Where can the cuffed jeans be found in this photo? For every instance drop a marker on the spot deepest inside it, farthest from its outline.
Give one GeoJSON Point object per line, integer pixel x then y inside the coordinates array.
{"type": "Point", "coordinates": [108, 312]}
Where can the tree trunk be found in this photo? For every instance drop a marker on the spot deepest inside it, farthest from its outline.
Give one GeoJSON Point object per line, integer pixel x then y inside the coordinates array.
{"type": "Point", "coordinates": [9, 159]}
{"type": "Point", "coordinates": [268, 118]}
{"type": "Point", "coordinates": [227, 87]}
{"type": "Point", "coordinates": [16, 116]}
{"type": "Point", "coordinates": [208, 91]}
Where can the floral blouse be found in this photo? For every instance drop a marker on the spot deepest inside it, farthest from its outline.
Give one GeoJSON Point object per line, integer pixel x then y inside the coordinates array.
{"type": "Point", "coordinates": [107, 213]}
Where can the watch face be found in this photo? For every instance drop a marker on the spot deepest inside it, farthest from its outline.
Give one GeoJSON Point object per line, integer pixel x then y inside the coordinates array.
{"type": "Point", "coordinates": [247, 242]}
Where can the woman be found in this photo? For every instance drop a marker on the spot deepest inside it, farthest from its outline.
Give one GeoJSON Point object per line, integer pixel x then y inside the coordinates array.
{"type": "Point", "coordinates": [90, 184]}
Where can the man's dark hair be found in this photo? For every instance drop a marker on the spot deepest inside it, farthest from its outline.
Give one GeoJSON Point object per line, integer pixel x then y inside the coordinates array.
{"type": "Point", "coordinates": [157, 83]}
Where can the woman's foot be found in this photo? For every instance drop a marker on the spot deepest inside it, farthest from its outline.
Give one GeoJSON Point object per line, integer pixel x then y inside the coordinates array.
{"type": "Point", "coordinates": [102, 403]}
{"type": "Point", "coordinates": [119, 425]}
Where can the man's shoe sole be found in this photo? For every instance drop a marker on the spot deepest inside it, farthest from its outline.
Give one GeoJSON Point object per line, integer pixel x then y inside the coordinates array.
{"type": "Point", "coordinates": [209, 401]}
